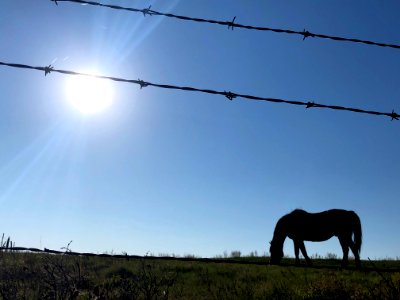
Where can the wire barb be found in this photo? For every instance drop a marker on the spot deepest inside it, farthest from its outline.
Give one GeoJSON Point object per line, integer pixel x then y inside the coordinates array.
{"type": "Point", "coordinates": [147, 11]}
{"type": "Point", "coordinates": [230, 95]}
{"type": "Point", "coordinates": [231, 24]}
{"type": "Point", "coordinates": [55, 1]}
{"type": "Point", "coordinates": [142, 83]}
{"type": "Point", "coordinates": [48, 70]}
{"type": "Point", "coordinates": [394, 116]}
{"type": "Point", "coordinates": [306, 34]}
{"type": "Point", "coordinates": [310, 104]}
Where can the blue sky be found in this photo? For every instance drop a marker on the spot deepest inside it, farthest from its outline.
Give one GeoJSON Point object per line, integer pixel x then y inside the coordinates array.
{"type": "Point", "coordinates": [165, 171]}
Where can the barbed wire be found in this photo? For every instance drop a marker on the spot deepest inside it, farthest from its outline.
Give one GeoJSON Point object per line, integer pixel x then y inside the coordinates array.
{"type": "Point", "coordinates": [231, 24]}
{"type": "Point", "coordinates": [187, 259]}
{"type": "Point", "coordinates": [230, 95]}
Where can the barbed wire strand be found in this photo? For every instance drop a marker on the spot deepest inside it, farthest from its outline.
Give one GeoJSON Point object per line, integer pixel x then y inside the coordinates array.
{"type": "Point", "coordinates": [187, 259]}
{"type": "Point", "coordinates": [231, 24]}
{"type": "Point", "coordinates": [230, 95]}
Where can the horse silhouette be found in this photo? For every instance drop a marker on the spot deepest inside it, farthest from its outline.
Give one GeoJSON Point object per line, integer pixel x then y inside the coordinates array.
{"type": "Point", "coordinates": [301, 226]}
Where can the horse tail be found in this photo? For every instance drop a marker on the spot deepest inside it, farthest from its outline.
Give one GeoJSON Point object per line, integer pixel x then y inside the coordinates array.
{"type": "Point", "coordinates": [357, 232]}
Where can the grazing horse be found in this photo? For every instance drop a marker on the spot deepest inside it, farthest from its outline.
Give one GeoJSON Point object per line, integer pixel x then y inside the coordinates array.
{"type": "Point", "coordinates": [301, 226]}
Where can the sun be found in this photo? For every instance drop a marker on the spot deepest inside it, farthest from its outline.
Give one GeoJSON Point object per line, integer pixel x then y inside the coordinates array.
{"type": "Point", "coordinates": [89, 95]}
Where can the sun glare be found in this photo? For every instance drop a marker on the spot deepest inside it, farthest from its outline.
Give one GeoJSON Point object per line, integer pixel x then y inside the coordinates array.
{"type": "Point", "coordinates": [89, 95]}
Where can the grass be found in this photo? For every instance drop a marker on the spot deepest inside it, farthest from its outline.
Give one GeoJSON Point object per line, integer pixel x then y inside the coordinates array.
{"type": "Point", "coordinates": [47, 276]}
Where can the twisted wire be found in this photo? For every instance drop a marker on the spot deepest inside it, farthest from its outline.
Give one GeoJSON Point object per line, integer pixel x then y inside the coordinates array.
{"type": "Point", "coordinates": [231, 24]}
{"type": "Point", "coordinates": [228, 94]}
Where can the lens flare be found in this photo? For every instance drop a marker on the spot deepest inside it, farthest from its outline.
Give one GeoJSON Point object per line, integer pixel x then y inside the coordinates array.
{"type": "Point", "coordinates": [89, 95]}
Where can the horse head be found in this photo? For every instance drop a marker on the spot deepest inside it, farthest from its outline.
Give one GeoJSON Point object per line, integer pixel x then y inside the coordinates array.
{"type": "Point", "coordinates": [276, 253]}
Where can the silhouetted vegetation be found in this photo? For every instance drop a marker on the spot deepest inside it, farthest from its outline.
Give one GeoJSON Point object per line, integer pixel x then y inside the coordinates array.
{"type": "Point", "coordinates": [47, 276]}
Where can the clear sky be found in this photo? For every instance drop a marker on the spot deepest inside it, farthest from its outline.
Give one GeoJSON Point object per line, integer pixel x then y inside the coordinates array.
{"type": "Point", "coordinates": [165, 171]}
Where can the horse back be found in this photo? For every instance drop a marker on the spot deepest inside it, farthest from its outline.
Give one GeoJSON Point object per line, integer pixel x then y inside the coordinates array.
{"type": "Point", "coordinates": [319, 226]}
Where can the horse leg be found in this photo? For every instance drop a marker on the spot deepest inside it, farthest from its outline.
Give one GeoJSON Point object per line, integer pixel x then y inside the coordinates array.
{"type": "Point", "coordinates": [344, 242]}
{"type": "Point", "coordinates": [354, 249]}
{"type": "Point", "coordinates": [304, 252]}
{"type": "Point", "coordinates": [296, 251]}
